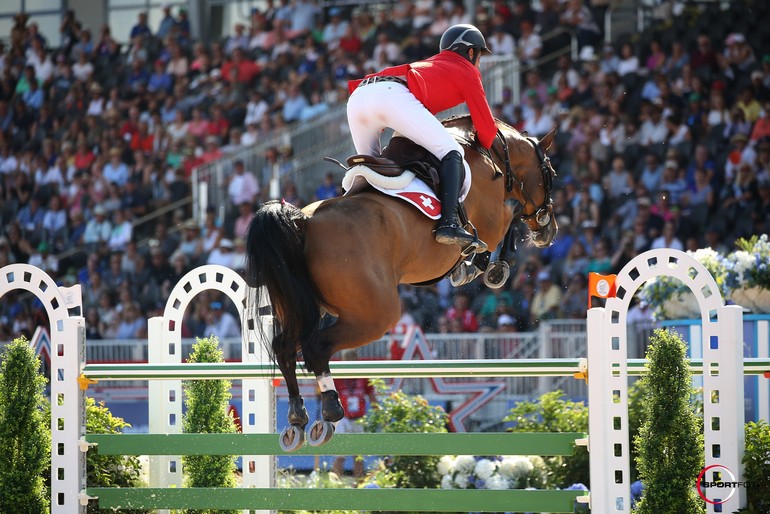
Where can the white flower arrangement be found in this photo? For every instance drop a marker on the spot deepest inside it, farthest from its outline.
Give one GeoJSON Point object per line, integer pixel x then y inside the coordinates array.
{"type": "Point", "coordinates": [747, 277]}
{"type": "Point", "coordinates": [743, 276]}
{"type": "Point", "coordinates": [468, 472]}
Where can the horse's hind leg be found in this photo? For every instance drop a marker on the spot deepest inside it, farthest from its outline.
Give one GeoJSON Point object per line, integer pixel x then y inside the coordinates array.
{"type": "Point", "coordinates": [293, 436]}
{"type": "Point", "coordinates": [352, 330]}
{"type": "Point", "coordinates": [317, 361]}
{"type": "Point", "coordinates": [331, 410]}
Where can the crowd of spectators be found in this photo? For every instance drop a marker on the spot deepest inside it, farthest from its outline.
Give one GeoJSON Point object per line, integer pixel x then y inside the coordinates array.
{"type": "Point", "coordinates": [663, 139]}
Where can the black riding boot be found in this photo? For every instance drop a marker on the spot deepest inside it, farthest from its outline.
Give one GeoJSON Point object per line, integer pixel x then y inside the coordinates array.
{"type": "Point", "coordinates": [448, 229]}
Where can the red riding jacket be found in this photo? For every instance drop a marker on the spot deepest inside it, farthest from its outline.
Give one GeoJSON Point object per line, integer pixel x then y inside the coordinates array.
{"type": "Point", "coordinates": [445, 81]}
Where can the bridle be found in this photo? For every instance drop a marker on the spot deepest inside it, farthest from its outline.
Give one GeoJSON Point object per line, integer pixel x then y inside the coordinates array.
{"type": "Point", "coordinates": [542, 213]}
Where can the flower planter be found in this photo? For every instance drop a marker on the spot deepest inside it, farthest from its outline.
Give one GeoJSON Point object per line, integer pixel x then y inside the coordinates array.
{"type": "Point", "coordinates": [756, 299]}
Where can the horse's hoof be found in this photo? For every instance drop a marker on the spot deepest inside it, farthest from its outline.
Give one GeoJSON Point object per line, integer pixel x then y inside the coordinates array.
{"type": "Point", "coordinates": [465, 273]}
{"type": "Point", "coordinates": [297, 412]}
{"type": "Point", "coordinates": [320, 433]}
{"type": "Point", "coordinates": [292, 438]}
{"type": "Point", "coordinates": [496, 274]}
{"type": "Point", "coordinates": [331, 408]}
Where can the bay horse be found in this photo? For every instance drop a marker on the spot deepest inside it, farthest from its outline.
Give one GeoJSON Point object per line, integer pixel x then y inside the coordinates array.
{"type": "Point", "coordinates": [346, 257]}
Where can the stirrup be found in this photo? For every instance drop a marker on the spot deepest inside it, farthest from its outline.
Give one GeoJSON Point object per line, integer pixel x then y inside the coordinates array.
{"type": "Point", "coordinates": [475, 246]}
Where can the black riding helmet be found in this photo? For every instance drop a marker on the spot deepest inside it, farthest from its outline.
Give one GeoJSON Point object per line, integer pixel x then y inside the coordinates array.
{"type": "Point", "coordinates": [463, 37]}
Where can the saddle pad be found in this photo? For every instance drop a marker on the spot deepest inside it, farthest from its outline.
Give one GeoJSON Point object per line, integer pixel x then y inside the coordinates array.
{"type": "Point", "coordinates": [406, 186]}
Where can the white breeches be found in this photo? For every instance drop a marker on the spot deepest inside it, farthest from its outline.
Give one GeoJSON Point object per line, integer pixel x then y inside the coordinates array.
{"type": "Point", "coordinates": [374, 107]}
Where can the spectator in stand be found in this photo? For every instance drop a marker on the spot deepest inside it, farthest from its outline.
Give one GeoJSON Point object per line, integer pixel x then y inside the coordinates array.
{"type": "Point", "coordinates": [651, 173]}
{"type": "Point", "coordinates": [222, 254]}
{"type": "Point", "coordinates": [238, 40]}
{"type": "Point", "coordinates": [218, 125]}
{"type": "Point", "coordinates": [246, 69]}
{"type": "Point", "coordinates": [140, 29]}
{"type": "Point", "coordinates": [749, 105]}
{"type": "Point", "coordinates": [580, 17]}
{"type": "Point", "coordinates": [221, 323]}
{"type": "Point", "coordinates": [462, 312]}
{"type": "Point", "coordinates": [122, 231]}
{"type": "Point", "coordinates": [335, 29]}
{"type": "Point", "coordinates": [501, 42]}
{"type": "Point", "coordinates": [116, 171]}
{"type": "Point", "coordinates": [704, 59]}
{"type": "Point", "coordinates": [293, 105]}
{"type": "Point", "coordinates": [198, 125]}
{"type": "Point", "coordinates": [167, 22]}
{"type": "Point", "coordinates": [668, 239]}
{"type": "Point", "coordinates": [55, 220]}
{"type": "Point", "coordinates": [30, 217]}
{"type": "Point", "coordinates": [538, 123]}
{"type": "Point", "coordinates": [573, 304]}
{"type": "Point", "coordinates": [529, 44]}
{"type": "Point", "coordinates": [98, 229]}
{"type": "Point", "coordinates": [629, 62]}
{"type": "Point", "coordinates": [327, 189]}
{"type": "Point", "coordinates": [43, 259]}
{"type": "Point", "coordinates": [131, 325]}
{"type": "Point", "coordinates": [160, 80]}
{"type": "Point", "coordinates": [546, 301]}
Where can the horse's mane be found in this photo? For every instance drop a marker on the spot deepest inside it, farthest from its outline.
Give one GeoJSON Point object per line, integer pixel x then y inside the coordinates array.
{"type": "Point", "coordinates": [461, 126]}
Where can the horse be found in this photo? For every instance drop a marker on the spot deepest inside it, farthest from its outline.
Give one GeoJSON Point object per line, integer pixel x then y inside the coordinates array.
{"type": "Point", "coordinates": [346, 256]}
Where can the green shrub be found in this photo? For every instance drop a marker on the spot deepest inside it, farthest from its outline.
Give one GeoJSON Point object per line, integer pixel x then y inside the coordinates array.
{"type": "Point", "coordinates": [553, 413]}
{"type": "Point", "coordinates": [109, 470]}
{"type": "Point", "coordinates": [398, 412]}
{"type": "Point", "coordinates": [670, 443]}
{"type": "Point", "coordinates": [207, 404]}
{"type": "Point", "coordinates": [757, 467]}
{"type": "Point", "coordinates": [25, 435]}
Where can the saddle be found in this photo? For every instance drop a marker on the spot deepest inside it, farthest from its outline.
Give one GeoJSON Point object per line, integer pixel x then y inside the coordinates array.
{"type": "Point", "coordinates": [400, 155]}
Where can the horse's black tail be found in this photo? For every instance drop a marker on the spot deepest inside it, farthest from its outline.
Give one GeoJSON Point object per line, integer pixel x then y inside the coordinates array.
{"type": "Point", "coordinates": [275, 259]}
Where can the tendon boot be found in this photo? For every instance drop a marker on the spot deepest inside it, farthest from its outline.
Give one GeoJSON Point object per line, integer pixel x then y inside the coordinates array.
{"type": "Point", "coordinates": [449, 231]}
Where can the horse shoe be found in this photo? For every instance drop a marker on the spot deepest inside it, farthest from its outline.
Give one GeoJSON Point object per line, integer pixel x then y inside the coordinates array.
{"type": "Point", "coordinates": [465, 273]}
{"type": "Point", "coordinates": [321, 432]}
{"type": "Point", "coordinates": [292, 438]}
{"type": "Point", "coordinates": [497, 274]}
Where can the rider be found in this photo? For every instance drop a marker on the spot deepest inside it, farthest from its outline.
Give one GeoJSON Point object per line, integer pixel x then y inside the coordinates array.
{"type": "Point", "coordinates": [406, 98]}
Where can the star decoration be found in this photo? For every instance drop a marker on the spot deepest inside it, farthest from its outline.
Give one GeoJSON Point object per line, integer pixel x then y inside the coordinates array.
{"type": "Point", "coordinates": [478, 393]}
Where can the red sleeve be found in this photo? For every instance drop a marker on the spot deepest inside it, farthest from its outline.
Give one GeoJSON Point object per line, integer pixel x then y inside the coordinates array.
{"type": "Point", "coordinates": [353, 84]}
{"type": "Point", "coordinates": [481, 114]}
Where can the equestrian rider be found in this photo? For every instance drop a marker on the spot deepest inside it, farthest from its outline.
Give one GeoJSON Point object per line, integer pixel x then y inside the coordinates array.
{"type": "Point", "coordinates": [406, 99]}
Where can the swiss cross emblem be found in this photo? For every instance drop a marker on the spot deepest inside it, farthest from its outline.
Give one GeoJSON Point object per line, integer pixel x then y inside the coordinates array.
{"type": "Point", "coordinates": [423, 201]}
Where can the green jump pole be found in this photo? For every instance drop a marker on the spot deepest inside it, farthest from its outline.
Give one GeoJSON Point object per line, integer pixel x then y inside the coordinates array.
{"type": "Point", "coordinates": [436, 500]}
{"type": "Point", "coordinates": [491, 443]}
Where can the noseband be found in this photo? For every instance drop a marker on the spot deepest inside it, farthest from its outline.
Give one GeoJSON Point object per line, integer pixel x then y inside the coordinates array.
{"type": "Point", "coordinates": [542, 213]}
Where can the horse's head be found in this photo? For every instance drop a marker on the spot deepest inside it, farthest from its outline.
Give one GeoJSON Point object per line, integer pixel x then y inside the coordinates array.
{"type": "Point", "coordinates": [528, 176]}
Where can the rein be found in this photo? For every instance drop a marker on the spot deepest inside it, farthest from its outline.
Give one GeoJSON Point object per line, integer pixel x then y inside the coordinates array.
{"type": "Point", "coordinates": [541, 213]}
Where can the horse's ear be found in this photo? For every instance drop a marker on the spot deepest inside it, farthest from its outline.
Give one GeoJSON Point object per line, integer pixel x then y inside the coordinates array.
{"type": "Point", "coordinates": [545, 143]}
